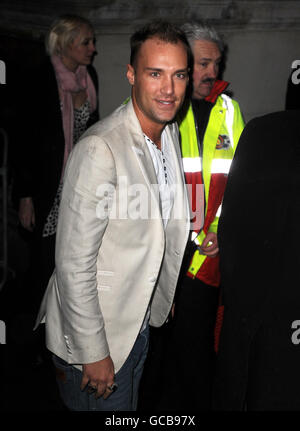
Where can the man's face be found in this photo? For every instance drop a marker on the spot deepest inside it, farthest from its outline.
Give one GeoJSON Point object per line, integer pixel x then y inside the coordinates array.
{"type": "Point", "coordinates": [207, 58]}
{"type": "Point", "coordinates": [159, 79]}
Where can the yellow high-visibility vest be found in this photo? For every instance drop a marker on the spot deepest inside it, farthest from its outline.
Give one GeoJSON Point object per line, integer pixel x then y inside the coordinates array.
{"type": "Point", "coordinates": [221, 136]}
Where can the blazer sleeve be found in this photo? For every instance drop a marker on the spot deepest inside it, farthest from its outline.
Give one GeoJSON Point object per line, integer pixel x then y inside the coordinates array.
{"type": "Point", "coordinates": [89, 184]}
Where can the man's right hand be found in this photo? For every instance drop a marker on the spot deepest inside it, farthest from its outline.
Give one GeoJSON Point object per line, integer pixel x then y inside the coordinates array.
{"type": "Point", "coordinates": [99, 375]}
{"type": "Point", "coordinates": [210, 246]}
{"type": "Point", "coordinates": [27, 214]}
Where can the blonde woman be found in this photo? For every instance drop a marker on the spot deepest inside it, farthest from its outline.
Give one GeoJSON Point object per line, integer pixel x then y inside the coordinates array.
{"type": "Point", "coordinates": [60, 105]}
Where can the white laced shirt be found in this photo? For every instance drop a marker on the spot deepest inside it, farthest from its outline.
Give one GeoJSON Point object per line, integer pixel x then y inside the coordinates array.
{"type": "Point", "coordinates": [165, 174]}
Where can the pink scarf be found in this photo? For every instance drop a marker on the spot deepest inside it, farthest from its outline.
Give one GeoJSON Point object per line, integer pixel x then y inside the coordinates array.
{"type": "Point", "coordinates": [68, 83]}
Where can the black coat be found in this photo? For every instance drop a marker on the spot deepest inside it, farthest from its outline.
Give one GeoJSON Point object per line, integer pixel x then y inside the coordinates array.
{"type": "Point", "coordinates": [259, 232]}
{"type": "Point", "coordinates": [39, 159]}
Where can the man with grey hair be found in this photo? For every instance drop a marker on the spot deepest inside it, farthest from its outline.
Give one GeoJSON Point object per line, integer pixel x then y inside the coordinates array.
{"type": "Point", "coordinates": [208, 49]}
{"type": "Point", "coordinates": [210, 128]}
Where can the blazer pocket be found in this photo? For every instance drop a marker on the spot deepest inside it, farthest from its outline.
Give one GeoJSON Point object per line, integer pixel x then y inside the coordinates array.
{"type": "Point", "coordinates": [105, 273]}
{"type": "Point", "coordinates": [103, 288]}
{"type": "Point", "coordinates": [103, 280]}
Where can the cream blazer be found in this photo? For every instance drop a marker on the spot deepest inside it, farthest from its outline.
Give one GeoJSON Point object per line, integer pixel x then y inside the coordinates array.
{"type": "Point", "coordinates": [113, 256]}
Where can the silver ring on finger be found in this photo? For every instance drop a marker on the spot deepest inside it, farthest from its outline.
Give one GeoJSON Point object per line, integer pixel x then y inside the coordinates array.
{"type": "Point", "coordinates": [112, 387]}
{"type": "Point", "coordinates": [92, 389]}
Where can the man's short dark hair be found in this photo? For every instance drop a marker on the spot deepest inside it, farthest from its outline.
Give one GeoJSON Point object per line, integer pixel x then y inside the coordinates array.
{"type": "Point", "coordinates": [164, 31]}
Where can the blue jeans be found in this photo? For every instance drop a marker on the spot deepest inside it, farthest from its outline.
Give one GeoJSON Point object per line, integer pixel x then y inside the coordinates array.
{"type": "Point", "coordinates": [128, 378]}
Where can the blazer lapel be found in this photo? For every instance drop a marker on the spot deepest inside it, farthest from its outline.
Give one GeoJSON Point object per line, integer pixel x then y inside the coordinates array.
{"type": "Point", "coordinates": [142, 154]}
{"type": "Point", "coordinates": [181, 205]}
{"type": "Point", "coordinates": [144, 159]}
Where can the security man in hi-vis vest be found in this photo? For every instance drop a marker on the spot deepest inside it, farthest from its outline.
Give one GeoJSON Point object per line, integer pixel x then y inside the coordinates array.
{"type": "Point", "coordinates": [210, 128]}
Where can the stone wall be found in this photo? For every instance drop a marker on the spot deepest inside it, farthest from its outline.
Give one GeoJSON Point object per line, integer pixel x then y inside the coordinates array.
{"type": "Point", "coordinates": [263, 38]}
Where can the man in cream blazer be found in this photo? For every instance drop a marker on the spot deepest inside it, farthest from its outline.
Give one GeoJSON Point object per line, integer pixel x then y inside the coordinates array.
{"type": "Point", "coordinates": [120, 239]}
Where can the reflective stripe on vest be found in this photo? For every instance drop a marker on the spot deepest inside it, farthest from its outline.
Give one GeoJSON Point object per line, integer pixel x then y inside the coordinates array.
{"type": "Point", "coordinates": [219, 211]}
{"type": "Point", "coordinates": [192, 164]}
{"type": "Point", "coordinates": [218, 166]}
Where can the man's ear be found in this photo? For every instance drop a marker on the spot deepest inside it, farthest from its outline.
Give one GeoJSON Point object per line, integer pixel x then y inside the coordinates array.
{"type": "Point", "coordinates": [130, 74]}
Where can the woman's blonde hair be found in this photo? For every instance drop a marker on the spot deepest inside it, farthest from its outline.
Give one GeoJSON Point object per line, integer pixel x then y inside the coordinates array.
{"type": "Point", "coordinates": [63, 32]}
